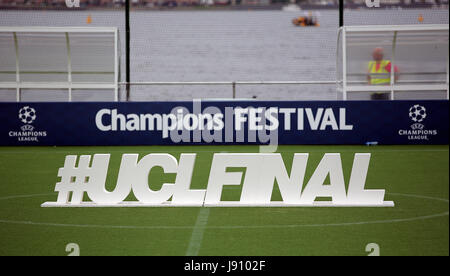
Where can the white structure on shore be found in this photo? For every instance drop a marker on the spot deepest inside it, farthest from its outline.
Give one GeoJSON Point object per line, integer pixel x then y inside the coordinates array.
{"type": "Point", "coordinates": [291, 7]}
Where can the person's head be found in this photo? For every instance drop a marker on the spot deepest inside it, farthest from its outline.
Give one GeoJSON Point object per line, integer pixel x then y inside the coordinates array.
{"type": "Point", "coordinates": [378, 54]}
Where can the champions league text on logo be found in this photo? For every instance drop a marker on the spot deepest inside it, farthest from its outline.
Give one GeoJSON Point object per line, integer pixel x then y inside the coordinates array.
{"type": "Point", "coordinates": [27, 132]}
{"type": "Point", "coordinates": [418, 114]}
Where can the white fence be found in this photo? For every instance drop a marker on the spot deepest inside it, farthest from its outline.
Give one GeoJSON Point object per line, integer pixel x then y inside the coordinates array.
{"type": "Point", "coordinates": [419, 52]}
{"type": "Point", "coordinates": [59, 58]}
{"type": "Point", "coordinates": [76, 59]}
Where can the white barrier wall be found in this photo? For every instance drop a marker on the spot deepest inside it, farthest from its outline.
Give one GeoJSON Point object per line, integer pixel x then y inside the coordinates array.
{"type": "Point", "coordinates": [63, 61]}
{"type": "Point", "coordinates": [419, 54]}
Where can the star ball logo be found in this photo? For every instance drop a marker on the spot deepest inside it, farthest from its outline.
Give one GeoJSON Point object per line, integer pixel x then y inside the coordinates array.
{"type": "Point", "coordinates": [27, 115]}
{"type": "Point", "coordinates": [27, 133]}
{"type": "Point", "coordinates": [417, 114]}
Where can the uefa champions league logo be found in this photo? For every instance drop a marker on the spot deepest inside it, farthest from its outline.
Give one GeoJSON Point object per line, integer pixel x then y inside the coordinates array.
{"type": "Point", "coordinates": [27, 115]}
{"type": "Point", "coordinates": [417, 114]}
{"type": "Point", "coordinates": [27, 133]}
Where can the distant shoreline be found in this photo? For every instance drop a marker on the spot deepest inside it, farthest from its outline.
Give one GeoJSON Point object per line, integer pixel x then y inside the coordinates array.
{"type": "Point", "coordinates": [184, 8]}
{"type": "Point", "coordinates": [276, 6]}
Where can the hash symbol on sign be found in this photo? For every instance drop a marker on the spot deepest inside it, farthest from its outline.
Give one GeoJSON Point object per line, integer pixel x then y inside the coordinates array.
{"type": "Point", "coordinates": [75, 179]}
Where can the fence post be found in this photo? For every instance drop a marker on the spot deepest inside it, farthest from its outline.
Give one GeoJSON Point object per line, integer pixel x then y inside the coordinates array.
{"type": "Point", "coordinates": [234, 90]}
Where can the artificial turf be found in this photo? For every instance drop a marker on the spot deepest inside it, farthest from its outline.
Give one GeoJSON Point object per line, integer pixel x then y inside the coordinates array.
{"type": "Point", "coordinates": [416, 178]}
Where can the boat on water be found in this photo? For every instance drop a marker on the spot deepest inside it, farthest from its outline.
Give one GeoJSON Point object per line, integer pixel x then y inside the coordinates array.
{"type": "Point", "coordinates": [306, 21]}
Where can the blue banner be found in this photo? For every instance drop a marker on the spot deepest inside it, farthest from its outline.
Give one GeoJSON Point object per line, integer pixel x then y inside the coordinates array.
{"type": "Point", "coordinates": [225, 122]}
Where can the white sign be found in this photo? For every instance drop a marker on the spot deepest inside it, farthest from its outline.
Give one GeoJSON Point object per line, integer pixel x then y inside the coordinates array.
{"type": "Point", "coordinates": [262, 170]}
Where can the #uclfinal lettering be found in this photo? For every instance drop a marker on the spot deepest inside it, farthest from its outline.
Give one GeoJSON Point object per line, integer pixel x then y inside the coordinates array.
{"type": "Point", "coordinates": [263, 170]}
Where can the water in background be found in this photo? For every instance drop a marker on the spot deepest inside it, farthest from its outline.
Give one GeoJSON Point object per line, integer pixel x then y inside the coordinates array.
{"type": "Point", "coordinates": [223, 46]}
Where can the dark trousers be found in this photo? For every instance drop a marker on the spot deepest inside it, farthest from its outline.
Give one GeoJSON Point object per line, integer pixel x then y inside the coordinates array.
{"type": "Point", "coordinates": [380, 96]}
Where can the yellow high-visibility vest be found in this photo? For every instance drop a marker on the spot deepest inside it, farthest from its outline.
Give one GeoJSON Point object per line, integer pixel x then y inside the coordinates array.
{"type": "Point", "coordinates": [380, 76]}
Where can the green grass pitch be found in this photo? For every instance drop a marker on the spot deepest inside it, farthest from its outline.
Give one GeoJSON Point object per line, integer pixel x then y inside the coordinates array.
{"type": "Point", "coordinates": [416, 178]}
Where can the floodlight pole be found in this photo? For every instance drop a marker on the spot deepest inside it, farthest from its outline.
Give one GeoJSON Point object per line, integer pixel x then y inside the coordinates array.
{"type": "Point", "coordinates": [341, 13]}
{"type": "Point", "coordinates": [127, 47]}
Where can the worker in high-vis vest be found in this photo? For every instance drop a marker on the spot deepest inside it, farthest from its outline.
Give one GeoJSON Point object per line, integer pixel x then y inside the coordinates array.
{"type": "Point", "coordinates": [379, 73]}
